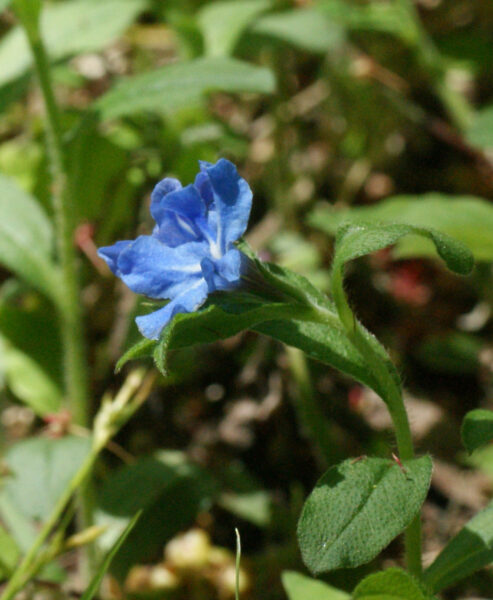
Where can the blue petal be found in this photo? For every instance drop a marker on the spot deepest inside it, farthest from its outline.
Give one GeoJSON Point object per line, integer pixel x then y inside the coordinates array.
{"type": "Point", "coordinates": [224, 273]}
{"type": "Point", "coordinates": [111, 253]}
{"type": "Point", "coordinates": [190, 300]}
{"type": "Point", "coordinates": [203, 185]}
{"type": "Point", "coordinates": [185, 202]}
{"type": "Point", "coordinates": [162, 189]}
{"type": "Point", "coordinates": [175, 230]}
{"type": "Point", "coordinates": [232, 202]}
{"type": "Point", "coordinates": [149, 267]}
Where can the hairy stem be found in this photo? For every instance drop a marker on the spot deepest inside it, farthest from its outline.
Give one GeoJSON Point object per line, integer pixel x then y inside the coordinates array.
{"type": "Point", "coordinates": [392, 395]}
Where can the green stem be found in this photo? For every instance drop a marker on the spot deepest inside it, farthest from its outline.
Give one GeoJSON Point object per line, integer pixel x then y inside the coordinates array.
{"type": "Point", "coordinates": [24, 570]}
{"type": "Point", "coordinates": [69, 307]}
{"type": "Point", "coordinates": [392, 396]}
{"type": "Point", "coordinates": [76, 383]}
{"type": "Point", "coordinates": [110, 418]}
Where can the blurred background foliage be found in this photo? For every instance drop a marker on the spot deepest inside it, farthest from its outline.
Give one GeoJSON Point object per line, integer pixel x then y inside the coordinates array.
{"type": "Point", "coordinates": [334, 110]}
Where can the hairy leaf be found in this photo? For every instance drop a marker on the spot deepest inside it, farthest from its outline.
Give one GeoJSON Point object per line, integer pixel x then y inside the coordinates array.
{"type": "Point", "coordinates": [357, 508]}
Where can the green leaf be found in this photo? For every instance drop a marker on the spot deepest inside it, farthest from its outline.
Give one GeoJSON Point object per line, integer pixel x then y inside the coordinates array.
{"type": "Point", "coordinates": [471, 549]}
{"type": "Point", "coordinates": [388, 17]}
{"type": "Point", "coordinates": [223, 22]}
{"type": "Point", "coordinates": [301, 587]}
{"type": "Point", "coordinates": [26, 239]}
{"type": "Point", "coordinates": [456, 353]}
{"type": "Point", "coordinates": [307, 29]}
{"type": "Point", "coordinates": [392, 584]}
{"type": "Point", "coordinates": [28, 381]}
{"type": "Point", "coordinates": [477, 429]}
{"type": "Point", "coordinates": [170, 491]}
{"type": "Point", "coordinates": [358, 239]}
{"type": "Point", "coordinates": [141, 349]}
{"type": "Point", "coordinates": [358, 508]}
{"type": "Point", "coordinates": [465, 218]}
{"type": "Point", "coordinates": [95, 583]}
{"type": "Point", "coordinates": [41, 469]}
{"type": "Point", "coordinates": [184, 84]}
{"type": "Point", "coordinates": [480, 133]}
{"type": "Point", "coordinates": [69, 28]}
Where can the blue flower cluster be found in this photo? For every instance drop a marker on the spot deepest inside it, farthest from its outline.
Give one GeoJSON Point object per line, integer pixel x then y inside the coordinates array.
{"type": "Point", "coordinates": [191, 251]}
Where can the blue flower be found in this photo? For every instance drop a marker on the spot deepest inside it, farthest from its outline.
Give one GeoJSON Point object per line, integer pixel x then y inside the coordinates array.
{"type": "Point", "coordinates": [191, 251]}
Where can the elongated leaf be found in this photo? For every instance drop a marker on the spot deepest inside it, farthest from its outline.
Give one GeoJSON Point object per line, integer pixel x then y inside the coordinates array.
{"type": "Point", "coordinates": [28, 381]}
{"type": "Point", "coordinates": [307, 29]}
{"type": "Point", "coordinates": [183, 84]}
{"type": "Point", "coordinates": [301, 587]}
{"type": "Point", "coordinates": [69, 28]}
{"type": "Point", "coordinates": [465, 218]}
{"type": "Point", "coordinates": [95, 583]}
{"type": "Point", "coordinates": [26, 239]}
{"type": "Point", "coordinates": [392, 584]}
{"type": "Point", "coordinates": [471, 549]}
{"type": "Point", "coordinates": [358, 508]}
{"type": "Point", "coordinates": [223, 22]}
{"type": "Point", "coordinates": [477, 429]}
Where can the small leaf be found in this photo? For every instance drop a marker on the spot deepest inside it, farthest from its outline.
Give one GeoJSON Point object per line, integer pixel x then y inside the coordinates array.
{"type": "Point", "coordinates": [68, 28]}
{"type": "Point", "coordinates": [471, 549]}
{"type": "Point", "coordinates": [392, 584]}
{"type": "Point", "coordinates": [95, 583]}
{"type": "Point", "coordinates": [301, 587]}
{"type": "Point", "coordinates": [358, 508]}
{"type": "Point", "coordinates": [358, 239]}
{"type": "Point", "coordinates": [477, 429]}
{"type": "Point", "coordinates": [184, 84]}
{"type": "Point", "coordinates": [26, 239]}
{"type": "Point", "coordinates": [467, 219]}
{"type": "Point", "coordinates": [306, 28]}
{"type": "Point", "coordinates": [141, 349]}
{"type": "Point", "coordinates": [41, 469]}
{"type": "Point", "coordinates": [223, 22]}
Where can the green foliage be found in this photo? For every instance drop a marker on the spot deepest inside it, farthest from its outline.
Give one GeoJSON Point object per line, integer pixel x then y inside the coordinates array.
{"type": "Point", "coordinates": [26, 239]}
{"type": "Point", "coordinates": [357, 508]}
{"type": "Point", "coordinates": [95, 583]}
{"type": "Point", "coordinates": [477, 429]}
{"type": "Point", "coordinates": [168, 489]}
{"type": "Point", "coordinates": [68, 28]}
{"type": "Point", "coordinates": [466, 219]}
{"type": "Point", "coordinates": [307, 29]}
{"type": "Point", "coordinates": [470, 550]}
{"type": "Point", "coordinates": [301, 587]}
{"type": "Point", "coordinates": [41, 468]}
{"type": "Point", "coordinates": [183, 85]}
{"type": "Point", "coordinates": [392, 584]}
{"type": "Point", "coordinates": [222, 23]}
